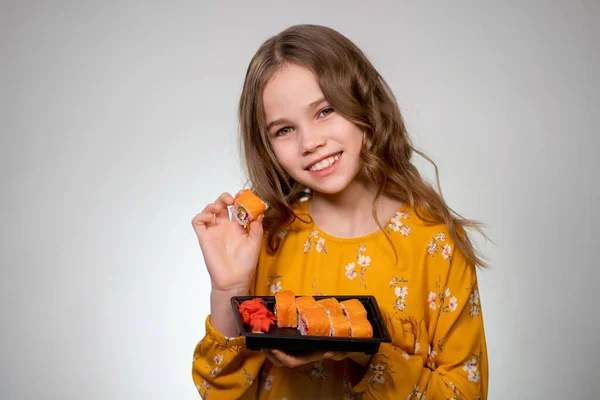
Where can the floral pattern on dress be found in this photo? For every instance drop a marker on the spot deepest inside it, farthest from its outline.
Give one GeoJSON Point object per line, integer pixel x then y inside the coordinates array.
{"type": "Point", "coordinates": [474, 306]}
{"type": "Point", "coordinates": [315, 289]}
{"type": "Point", "coordinates": [439, 242]}
{"type": "Point", "coordinates": [203, 389]}
{"type": "Point", "coordinates": [214, 366]}
{"type": "Point", "coordinates": [350, 272]}
{"type": "Point", "coordinates": [431, 353]}
{"type": "Point", "coordinates": [319, 243]}
{"type": "Point", "coordinates": [377, 371]}
{"type": "Point", "coordinates": [442, 300]}
{"type": "Point", "coordinates": [347, 394]}
{"type": "Point", "coordinates": [456, 392]}
{"type": "Point", "coordinates": [415, 394]}
{"type": "Point", "coordinates": [269, 382]}
{"type": "Point", "coordinates": [397, 225]}
{"type": "Point", "coordinates": [249, 379]}
{"type": "Point", "coordinates": [318, 371]}
{"type": "Point", "coordinates": [363, 262]}
{"type": "Point", "coordinates": [471, 367]}
{"type": "Point", "coordinates": [401, 291]}
{"type": "Point", "coordinates": [274, 284]}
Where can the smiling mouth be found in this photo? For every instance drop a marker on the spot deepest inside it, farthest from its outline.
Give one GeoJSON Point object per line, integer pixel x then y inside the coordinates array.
{"type": "Point", "coordinates": [326, 163]}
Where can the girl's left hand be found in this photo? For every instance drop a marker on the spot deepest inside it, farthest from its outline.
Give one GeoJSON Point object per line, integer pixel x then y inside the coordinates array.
{"type": "Point", "coordinates": [281, 359]}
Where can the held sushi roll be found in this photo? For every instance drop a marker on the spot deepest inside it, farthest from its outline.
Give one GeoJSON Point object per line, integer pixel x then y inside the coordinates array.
{"type": "Point", "coordinates": [285, 309]}
{"type": "Point", "coordinates": [314, 322]}
{"type": "Point", "coordinates": [360, 327]}
{"type": "Point", "coordinates": [353, 308]}
{"type": "Point", "coordinates": [247, 207]}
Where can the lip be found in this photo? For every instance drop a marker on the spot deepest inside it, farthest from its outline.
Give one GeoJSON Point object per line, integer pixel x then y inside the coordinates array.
{"type": "Point", "coordinates": [329, 170]}
{"type": "Point", "coordinates": [321, 159]}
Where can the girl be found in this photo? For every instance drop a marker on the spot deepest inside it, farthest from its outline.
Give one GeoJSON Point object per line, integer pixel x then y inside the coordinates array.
{"type": "Point", "coordinates": [326, 147]}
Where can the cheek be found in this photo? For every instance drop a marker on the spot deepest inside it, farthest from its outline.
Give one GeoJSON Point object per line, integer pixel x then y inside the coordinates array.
{"type": "Point", "coordinates": [279, 153]}
{"type": "Point", "coordinates": [349, 134]}
{"type": "Point", "coordinates": [283, 154]}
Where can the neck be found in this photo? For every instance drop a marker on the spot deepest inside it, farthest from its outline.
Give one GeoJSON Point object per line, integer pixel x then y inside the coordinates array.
{"type": "Point", "coordinates": [349, 213]}
{"type": "Point", "coordinates": [356, 201]}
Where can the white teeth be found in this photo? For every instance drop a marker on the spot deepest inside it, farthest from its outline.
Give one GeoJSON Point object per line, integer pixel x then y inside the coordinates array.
{"type": "Point", "coordinates": [324, 163]}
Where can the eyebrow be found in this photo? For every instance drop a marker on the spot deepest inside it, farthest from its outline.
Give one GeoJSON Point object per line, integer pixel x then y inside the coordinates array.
{"type": "Point", "coordinates": [283, 120]}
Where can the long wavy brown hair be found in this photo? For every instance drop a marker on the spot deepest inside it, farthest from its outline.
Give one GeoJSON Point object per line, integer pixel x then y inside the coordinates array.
{"type": "Point", "coordinates": [354, 88]}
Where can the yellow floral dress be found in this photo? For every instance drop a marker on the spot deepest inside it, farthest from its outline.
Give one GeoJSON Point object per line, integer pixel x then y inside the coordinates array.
{"type": "Point", "coordinates": [429, 300]}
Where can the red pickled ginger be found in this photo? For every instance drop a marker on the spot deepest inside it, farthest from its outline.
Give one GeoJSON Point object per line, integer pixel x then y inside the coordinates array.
{"type": "Point", "coordinates": [255, 313]}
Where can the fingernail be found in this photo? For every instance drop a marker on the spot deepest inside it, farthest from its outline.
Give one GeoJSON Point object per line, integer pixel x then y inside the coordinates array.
{"type": "Point", "coordinates": [328, 354]}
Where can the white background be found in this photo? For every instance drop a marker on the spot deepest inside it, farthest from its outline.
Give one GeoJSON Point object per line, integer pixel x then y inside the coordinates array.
{"type": "Point", "coordinates": [118, 124]}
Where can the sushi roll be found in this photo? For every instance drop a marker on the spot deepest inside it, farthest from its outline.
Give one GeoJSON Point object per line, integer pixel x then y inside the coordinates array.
{"type": "Point", "coordinates": [247, 207]}
{"type": "Point", "coordinates": [331, 306]}
{"type": "Point", "coordinates": [304, 303]}
{"type": "Point", "coordinates": [360, 327]}
{"type": "Point", "coordinates": [285, 309]}
{"type": "Point", "coordinates": [339, 325]}
{"type": "Point", "coordinates": [353, 308]}
{"type": "Point", "coordinates": [314, 322]}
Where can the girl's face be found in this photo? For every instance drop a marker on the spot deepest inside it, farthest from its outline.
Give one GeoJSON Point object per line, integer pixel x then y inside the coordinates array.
{"type": "Point", "coordinates": [318, 147]}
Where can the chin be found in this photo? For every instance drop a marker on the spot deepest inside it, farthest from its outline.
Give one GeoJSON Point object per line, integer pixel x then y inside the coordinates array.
{"type": "Point", "coordinates": [329, 188]}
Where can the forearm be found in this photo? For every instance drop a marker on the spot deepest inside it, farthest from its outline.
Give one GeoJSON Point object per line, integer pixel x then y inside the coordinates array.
{"type": "Point", "coordinates": [221, 314]}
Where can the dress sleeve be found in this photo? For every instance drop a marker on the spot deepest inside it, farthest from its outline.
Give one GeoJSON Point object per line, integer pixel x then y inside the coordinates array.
{"type": "Point", "coordinates": [445, 358]}
{"type": "Point", "coordinates": [223, 368]}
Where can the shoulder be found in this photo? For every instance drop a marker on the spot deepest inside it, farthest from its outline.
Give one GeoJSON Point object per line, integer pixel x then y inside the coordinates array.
{"type": "Point", "coordinates": [423, 234]}
{"type": "Point", "coordinates": [301, 222]}
{"type": "Point", "coordinates": [430, 242]}
{"type": "Point", "coordinates": [298, 228]}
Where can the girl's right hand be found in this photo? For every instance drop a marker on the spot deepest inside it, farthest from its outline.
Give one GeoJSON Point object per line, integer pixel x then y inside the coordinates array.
{"type": "Point", "coordinates": [230, 251]}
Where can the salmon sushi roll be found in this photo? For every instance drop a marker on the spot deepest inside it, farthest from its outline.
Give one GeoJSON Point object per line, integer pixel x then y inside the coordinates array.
{"type": "Point", "coordinates": [339, 325]}
{"type": "Point", "coordinates": [353, 308]}
{"type": "Point", "coordinates": [304, 303]}
{"type": "Point", "coordinates": [331, 306]}
{"type": "Point", "coordinates": [360, 327]}
{"type": "Point", "coordinates": [285, 309]}
{"type": "Point", "coordinates": [314, 322]}
{"type": "Point", "coordinates": [247, 207]}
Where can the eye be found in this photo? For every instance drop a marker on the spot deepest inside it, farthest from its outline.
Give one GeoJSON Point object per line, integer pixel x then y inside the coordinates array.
{"type": "Point", "coordinates": [283, 131]}
{"type": "Point", "coordinates": [326, 111]}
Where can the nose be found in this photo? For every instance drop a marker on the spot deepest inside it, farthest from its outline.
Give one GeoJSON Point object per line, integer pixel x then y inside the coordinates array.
{"type": "Point", "coordinates": [311, 140]}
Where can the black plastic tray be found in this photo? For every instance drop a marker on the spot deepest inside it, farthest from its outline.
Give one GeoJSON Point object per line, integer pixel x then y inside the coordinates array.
{"type": "Point", "coordinates": [290, 340]}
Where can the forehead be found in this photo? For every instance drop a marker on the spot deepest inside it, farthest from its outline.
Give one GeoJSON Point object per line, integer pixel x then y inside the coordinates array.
{"type": "Point", "coordinates": [290, 90]}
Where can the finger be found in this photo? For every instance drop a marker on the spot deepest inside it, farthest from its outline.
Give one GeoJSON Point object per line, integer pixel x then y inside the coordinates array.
{"type": "Point", "coordinates": [272, 358]}
{"type": "Point", "coordinates": [292, 361]}
{"type": "Point", "coordinates": [225, 199]}
{"type": "Point", "coordinates": [222, 214]}
{"type": "Point", "coordinates": [219, 212]}
{"type": "Point", "coordinates": [336, 355]}
{"type": "Point", "coordinates": [256, 229]}
{"type": "Point", "coordinates": [281, 359]}
{"type": "Point", "coordinates": [204, 218]}
{"type": "Point", "coordinates": [222, 203]}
